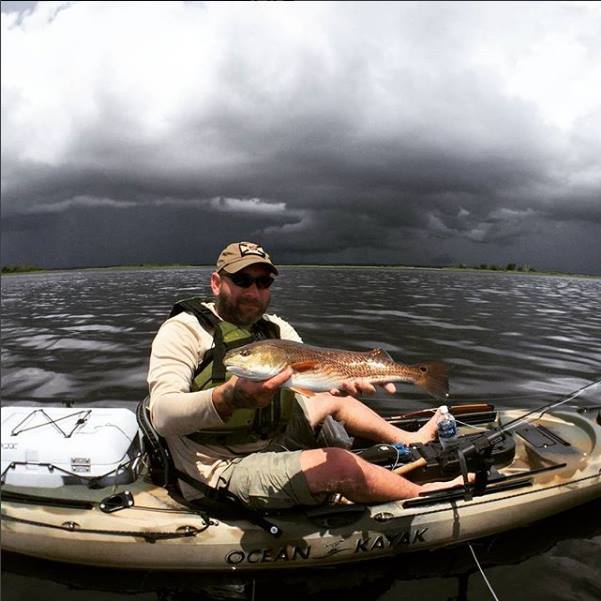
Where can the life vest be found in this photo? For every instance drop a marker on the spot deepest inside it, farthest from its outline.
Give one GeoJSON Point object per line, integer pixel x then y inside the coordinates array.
{"type": "Point", "coordinates": [244, 425]}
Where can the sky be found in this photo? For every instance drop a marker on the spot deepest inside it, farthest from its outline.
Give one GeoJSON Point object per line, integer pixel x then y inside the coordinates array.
{"type": "Point", "coordinates": [418, 133]}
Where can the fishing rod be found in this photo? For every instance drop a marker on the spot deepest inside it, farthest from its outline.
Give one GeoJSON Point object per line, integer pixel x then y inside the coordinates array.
{"type": "Point", "coordinates": [459, 409]}
{"type": "Point", "coordinates": [486, 440]}
{"type": "Point", "coordinates": [542, 410]}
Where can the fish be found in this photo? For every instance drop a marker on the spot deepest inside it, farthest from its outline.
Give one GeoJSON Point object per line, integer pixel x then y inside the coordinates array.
{"type": "Point", "coordinates": [318, 369]}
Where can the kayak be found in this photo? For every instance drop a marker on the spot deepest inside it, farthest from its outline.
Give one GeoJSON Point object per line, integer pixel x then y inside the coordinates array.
{"type": "Point", "coordinates": [452, 567]}
{"type": "Point", "coordinates": [110, 513]}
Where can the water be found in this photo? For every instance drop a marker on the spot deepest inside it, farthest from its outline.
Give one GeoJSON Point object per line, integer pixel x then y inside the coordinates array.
{"type": "Point", "coordinates": [511, 339]}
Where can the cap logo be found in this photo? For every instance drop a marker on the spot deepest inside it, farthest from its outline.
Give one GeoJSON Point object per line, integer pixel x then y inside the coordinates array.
{"type": "Point", "coordinates": [251, 249]}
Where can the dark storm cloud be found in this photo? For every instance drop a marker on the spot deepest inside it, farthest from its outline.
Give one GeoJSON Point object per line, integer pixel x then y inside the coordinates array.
{"type": "Point", "coordinates": [411, 133]}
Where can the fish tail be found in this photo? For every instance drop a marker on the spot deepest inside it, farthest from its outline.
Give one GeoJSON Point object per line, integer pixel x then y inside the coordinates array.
{"type": "Point", "coordinates": [433, 378]}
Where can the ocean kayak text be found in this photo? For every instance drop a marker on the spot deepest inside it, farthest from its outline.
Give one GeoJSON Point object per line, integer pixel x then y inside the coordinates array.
{"type": "Point", "coordinates": [365, 544]}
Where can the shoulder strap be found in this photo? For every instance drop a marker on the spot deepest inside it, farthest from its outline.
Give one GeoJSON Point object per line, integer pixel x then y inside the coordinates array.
{"type": "Point", "coordinates": [194, 305]}
{"type": "Point", "coordinates": [265, 329]}
{"type": "Point", "coordinates": [228, 336]}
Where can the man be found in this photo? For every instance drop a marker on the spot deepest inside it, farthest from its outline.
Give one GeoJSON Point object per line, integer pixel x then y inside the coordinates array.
{"type": "Point", "coordinates": [251, 437]}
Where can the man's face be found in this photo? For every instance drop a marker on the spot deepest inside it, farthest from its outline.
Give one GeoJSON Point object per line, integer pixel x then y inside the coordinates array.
{"type": "Point", "coordinates": [241, 306]}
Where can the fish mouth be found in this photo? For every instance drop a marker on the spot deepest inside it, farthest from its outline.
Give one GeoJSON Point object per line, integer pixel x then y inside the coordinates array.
{"type": "Point", "coordinates": [235, 368]}
{"type": "Point", "coordinates": [249, 372]}
{"type": "Point", "coordinates": [248, 375]}
{"type": "Point", "coordinates": [237, 371]}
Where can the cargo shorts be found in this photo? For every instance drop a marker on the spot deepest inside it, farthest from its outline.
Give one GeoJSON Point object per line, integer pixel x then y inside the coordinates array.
{"type": "Point", "coordinates": [272, 478]}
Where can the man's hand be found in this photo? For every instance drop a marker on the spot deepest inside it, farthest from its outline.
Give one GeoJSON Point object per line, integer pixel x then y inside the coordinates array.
{"type": "Point", "coordinates": [239, 393]}
{"type": "Point", "coordinates": [358, 386]}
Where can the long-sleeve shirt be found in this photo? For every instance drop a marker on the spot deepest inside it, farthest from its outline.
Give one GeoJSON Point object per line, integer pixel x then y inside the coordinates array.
{"type": "Point", "coordinates": [177, 350]}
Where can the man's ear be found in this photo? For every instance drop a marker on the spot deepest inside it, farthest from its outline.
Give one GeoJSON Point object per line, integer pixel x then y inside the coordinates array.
{"type": "Point", "coordinates": [215, 283]}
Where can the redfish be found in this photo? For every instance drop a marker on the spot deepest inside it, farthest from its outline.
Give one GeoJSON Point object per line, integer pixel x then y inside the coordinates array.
{"type": "Point", "coordinates": [321, 369]}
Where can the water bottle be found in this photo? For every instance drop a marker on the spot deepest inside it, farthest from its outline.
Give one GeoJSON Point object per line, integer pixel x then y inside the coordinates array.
{"type": "Point", "coordinates": [447, 428]}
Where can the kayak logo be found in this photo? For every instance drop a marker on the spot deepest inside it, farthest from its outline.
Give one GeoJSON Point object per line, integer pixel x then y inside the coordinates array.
{"type": "Point", "coordinates": [268, 555]}
{"type": "Point", "coordinates": [379, 543]}
{"type": "Point", "coordinates": [10, 446]}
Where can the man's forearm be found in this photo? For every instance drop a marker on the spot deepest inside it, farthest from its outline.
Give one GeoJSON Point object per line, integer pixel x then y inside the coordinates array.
{"type": "Point", "coordinates": [238, 393]}
{"type": "Point", "coordinates": [181, 413]}
{"type": "Point", "coordinates": [223, 400]}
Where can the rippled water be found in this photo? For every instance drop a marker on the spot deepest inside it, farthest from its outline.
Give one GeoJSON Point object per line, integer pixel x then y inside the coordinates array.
{"type": "Point", "coordinates": [86, 335]}
{"type": "Point", "coordinates": [512, 339]}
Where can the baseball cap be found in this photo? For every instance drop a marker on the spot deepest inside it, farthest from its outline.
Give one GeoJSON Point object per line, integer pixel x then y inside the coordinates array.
{"type": "Point", "coordinates": [238, 255]}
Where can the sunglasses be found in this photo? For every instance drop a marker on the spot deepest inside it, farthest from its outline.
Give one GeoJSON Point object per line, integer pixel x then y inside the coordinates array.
{"type": "Point", "coordinates": [244, 280]}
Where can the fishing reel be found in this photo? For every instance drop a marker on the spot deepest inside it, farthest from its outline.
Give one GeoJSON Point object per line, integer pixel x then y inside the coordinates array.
{"type": "Point", "coordinates": [476, 453]}
{"type": "Point", "coordinates": [479, 453]}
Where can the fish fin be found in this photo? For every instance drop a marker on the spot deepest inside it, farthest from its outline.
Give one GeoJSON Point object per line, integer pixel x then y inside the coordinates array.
{"type": "Point", "coordinates": [433, 379]}
{"type": "Point", "coordinates": [304, 365]}
{"type": "Point", "coordinates": [303, 391]}
{"type": "Point", "coordinates": [379, 353]}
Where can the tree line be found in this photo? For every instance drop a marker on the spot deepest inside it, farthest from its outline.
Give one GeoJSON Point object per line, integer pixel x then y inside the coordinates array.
{"type": "Point", "coordinates": [20, 268]}
{"type": "Point", "coordinates": [491, 267]}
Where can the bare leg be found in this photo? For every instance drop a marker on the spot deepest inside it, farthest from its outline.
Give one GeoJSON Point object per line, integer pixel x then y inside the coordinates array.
{"type": "Point", "coordinates": [335, 470]}
{"type": "Point", "coordinates": [360, 420]}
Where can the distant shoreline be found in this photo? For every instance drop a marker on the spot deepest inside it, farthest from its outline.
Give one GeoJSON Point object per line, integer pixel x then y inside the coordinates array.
{"type": "Point", "coordinates": [29, 270]}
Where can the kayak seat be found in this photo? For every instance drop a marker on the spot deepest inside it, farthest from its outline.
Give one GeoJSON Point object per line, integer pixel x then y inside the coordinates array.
{"type": "Point", "coordinates": [162, 469]}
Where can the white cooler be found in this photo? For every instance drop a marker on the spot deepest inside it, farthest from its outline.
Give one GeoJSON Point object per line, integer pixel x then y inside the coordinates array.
{"type": "Point", "coordinates": [53, 446]}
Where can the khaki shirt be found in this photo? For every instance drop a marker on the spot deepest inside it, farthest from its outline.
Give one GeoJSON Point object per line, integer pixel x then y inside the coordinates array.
{"type": "Point", "coordinates": [177, 350]}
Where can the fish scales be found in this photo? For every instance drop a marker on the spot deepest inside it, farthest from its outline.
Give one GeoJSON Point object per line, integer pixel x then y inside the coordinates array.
{"type": "Point", "coordinates": [318, 369]}
{"type": "Point", "coordinates": [346, 364]}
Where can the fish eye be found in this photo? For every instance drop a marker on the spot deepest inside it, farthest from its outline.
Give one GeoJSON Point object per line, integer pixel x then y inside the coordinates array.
{"type": "Point", "coordinates": [245, 352]}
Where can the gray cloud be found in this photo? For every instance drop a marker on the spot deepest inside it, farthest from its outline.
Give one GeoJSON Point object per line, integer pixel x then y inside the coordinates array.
{"type": "Point", "coordinates": [409, 132]}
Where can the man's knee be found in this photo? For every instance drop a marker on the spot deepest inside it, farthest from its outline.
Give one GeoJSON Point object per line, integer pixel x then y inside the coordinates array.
{"type": "Point", "coordinates": [329, 469]}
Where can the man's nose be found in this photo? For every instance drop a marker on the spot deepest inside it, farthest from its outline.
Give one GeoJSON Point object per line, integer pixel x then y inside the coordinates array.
{"type": "Point", "coordinates": [254, 289]}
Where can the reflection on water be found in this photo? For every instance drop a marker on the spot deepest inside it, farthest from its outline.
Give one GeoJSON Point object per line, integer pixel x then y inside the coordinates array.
{"type": "Point", "coordinates": [508, 338]}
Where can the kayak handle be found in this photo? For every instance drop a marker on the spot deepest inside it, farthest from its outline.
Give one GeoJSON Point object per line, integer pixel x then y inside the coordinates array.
{"type": "Point", "coordinates": [122, 500]}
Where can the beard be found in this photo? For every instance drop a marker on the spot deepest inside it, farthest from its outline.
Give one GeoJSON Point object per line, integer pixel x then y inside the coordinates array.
{"type": "Point", "coordinates": [244, 312]}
